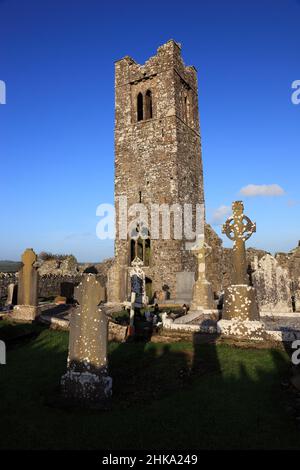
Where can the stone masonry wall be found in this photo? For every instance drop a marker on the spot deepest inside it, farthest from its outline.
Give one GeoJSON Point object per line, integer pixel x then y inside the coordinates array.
{"type": "Point", "coordinates": [157, 160]}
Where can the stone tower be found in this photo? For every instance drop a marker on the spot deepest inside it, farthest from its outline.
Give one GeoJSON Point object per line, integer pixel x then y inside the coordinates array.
{"type": "Point", "coordinates": [157, 161]}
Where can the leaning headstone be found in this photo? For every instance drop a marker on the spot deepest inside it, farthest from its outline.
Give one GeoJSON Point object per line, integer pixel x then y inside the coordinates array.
{"type": "Point", "coordinates": [27, 307]}
{"type": "Point", "coordinates": [272, 285]}
{"type": "Point", "coordinates": [240, 316]}
{"type": "Point", "coordinates": [86, 381]}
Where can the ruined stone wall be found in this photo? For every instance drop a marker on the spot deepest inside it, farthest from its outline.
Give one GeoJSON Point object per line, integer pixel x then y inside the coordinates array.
{"type": "Point", "coordinates": [291, 262]}
{"type": "Point", "coordinates": [215, 261]}
{"type": "Point", "coordinates": [157, 160]}
{"type": "Point", "coordinates": [5, 280]}
{"type": "Point", "coordinates": [251, 254]}
{"type": "Point", "coordinates": [50, 285]}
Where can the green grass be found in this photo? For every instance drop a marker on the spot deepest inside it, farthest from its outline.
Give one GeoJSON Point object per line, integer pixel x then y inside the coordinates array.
{"type": "Point", "coordinates": [175, 396]}
{"type": "Point", "coordinates": [9, 266]}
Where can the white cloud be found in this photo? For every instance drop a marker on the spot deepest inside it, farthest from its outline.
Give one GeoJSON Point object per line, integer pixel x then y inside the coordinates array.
{"type": "Point", "coordinates": [220, 215]}
{"type": "Point", "coordinates": [253, 190]}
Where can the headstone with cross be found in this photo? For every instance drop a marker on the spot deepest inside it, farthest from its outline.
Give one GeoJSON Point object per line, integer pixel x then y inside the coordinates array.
{"type": "Point", "coordinates": [240, 312]}
{"type": "Point", "coordinates": [28, 284]}
{"type": "Point", "coordinates": [239, 229]}
{"type": "Point", "coordinates": [87, 381]}
{"type": "Point", "coordinates": [202, 290]}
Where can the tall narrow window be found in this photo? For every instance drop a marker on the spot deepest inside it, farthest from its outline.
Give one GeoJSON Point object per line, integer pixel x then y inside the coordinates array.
{"type": "Point", "coordinates": [185, 112]}
{"type": "Point", "coordinates": [148, 105]}
{"type": "Point", "coordinates": [140, 245]}
{"type": "Point", "coordinates": [140, 111]}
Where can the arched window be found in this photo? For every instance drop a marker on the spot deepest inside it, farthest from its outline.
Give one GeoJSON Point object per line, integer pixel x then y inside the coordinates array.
{"type": "Point", "coordinates": [140, 245]}
{"type": "Point", "coordinates": [148, 105]}
{"type": "Point", "coordinates": [140, 110]}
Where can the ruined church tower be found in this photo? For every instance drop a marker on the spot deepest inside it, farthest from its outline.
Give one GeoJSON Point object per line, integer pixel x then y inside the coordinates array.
{"type": "Point", "coordinates": [157, 161]}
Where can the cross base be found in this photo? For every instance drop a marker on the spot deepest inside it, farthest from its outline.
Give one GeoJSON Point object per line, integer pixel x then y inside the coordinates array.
{"type": "Point", "coordinates": [240, 303]}
{"type": "Point", "coordinates": [25, 312]}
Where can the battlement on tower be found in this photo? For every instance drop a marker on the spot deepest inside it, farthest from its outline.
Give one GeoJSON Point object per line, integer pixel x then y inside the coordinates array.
{"type": "Point", "coordinates": [168, 56]}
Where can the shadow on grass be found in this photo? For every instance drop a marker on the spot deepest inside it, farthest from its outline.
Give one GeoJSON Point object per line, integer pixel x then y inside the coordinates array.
{"type": "Point", "coordinates": [199, 394]}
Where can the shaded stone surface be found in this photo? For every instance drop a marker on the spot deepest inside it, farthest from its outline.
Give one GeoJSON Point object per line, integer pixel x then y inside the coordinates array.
{"type": "Point", "coordinates": [87, 381]}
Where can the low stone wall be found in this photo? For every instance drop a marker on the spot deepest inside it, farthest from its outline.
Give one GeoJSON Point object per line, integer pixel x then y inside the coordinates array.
{"type": "Point", "coordinates": [5, 280]}
{"type": "Point", "coordinates": [50, 285]}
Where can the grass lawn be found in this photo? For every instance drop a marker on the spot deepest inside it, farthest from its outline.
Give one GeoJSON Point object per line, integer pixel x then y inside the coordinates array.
{"type": "Point", "coordinates": [175, 396]}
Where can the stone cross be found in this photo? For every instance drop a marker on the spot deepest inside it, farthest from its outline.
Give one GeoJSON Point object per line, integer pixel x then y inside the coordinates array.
{"type": "Point", "coordinates": [28, 286]}
{"type": "Point", "coordinates": [239, 228]}
{"type": "Point", "coordinates": [28, 279]}
{"type": "Point", "coordinates": [202, 291]}
{"type": "Point", "coordinates": [87, 380]}
{"type": "Point", "coordinates": [202, 250]}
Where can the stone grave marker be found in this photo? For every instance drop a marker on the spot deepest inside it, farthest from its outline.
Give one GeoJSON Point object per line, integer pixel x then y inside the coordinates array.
{"type": "Point", "coordinates": [28, 280]}
{"type": "Point", "coordinates": [86, 381]}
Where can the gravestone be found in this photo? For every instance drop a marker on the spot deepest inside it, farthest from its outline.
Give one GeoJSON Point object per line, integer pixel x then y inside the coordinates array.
{"type": "Point", "coordinates": [297, 298]}
{"type": "Point", "coordinates": [203, 299]}
{"type": "Point", "coordinates": [240, 315]}
{"type": "Point", "coordinates": [86, 381]}
{"type": "Point", "coordinates": [272, 287]}
{"type": "Point", "coordinates": [67, 290]}
{"type": "Point", "coordinates": [28, 279]}
{"type": "Point", "coordinates": [11, 298]}
{"type": "Point", "coordinates": [184, 286]}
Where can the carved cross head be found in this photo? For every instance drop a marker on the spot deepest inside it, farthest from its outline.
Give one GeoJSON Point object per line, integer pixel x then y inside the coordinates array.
{"type": "Point", "coordinates": [29, 258]}
{"type": "Point", "coordinates": [238, 226]}
{"type": "Point", "coordinates": [88, 291]}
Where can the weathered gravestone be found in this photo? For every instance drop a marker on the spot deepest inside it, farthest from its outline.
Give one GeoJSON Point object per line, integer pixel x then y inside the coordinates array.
{"type": "Point", "coordinates": [240, 313]}
{"type": "Point", "coordinates": [272, 285]}
{"type": "Point", "coordinates": [11, 298]}
{"type": "Point", "coordinates": [86, 381]}
{"type": "Point", "coordinates": [184, 287]}
{"type": "Point", "coordinates": [203, 299]}
{"type": "Point", "coordinates": [28, 280]}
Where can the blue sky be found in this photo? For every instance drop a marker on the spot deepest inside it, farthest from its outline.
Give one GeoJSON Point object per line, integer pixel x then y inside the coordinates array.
{"type": "Point", "coordinates": [56, 129]}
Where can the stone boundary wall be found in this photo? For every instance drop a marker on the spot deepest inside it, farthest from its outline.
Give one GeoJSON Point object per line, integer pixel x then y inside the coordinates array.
{"type": "Point", "coordinates": [49, 284]}
{"type": "Point", "coordinates": [5, 280]}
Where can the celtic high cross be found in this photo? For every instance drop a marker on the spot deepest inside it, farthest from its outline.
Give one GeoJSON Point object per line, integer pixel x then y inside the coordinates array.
{"type": "Point", "coordinates": [239, 229]}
